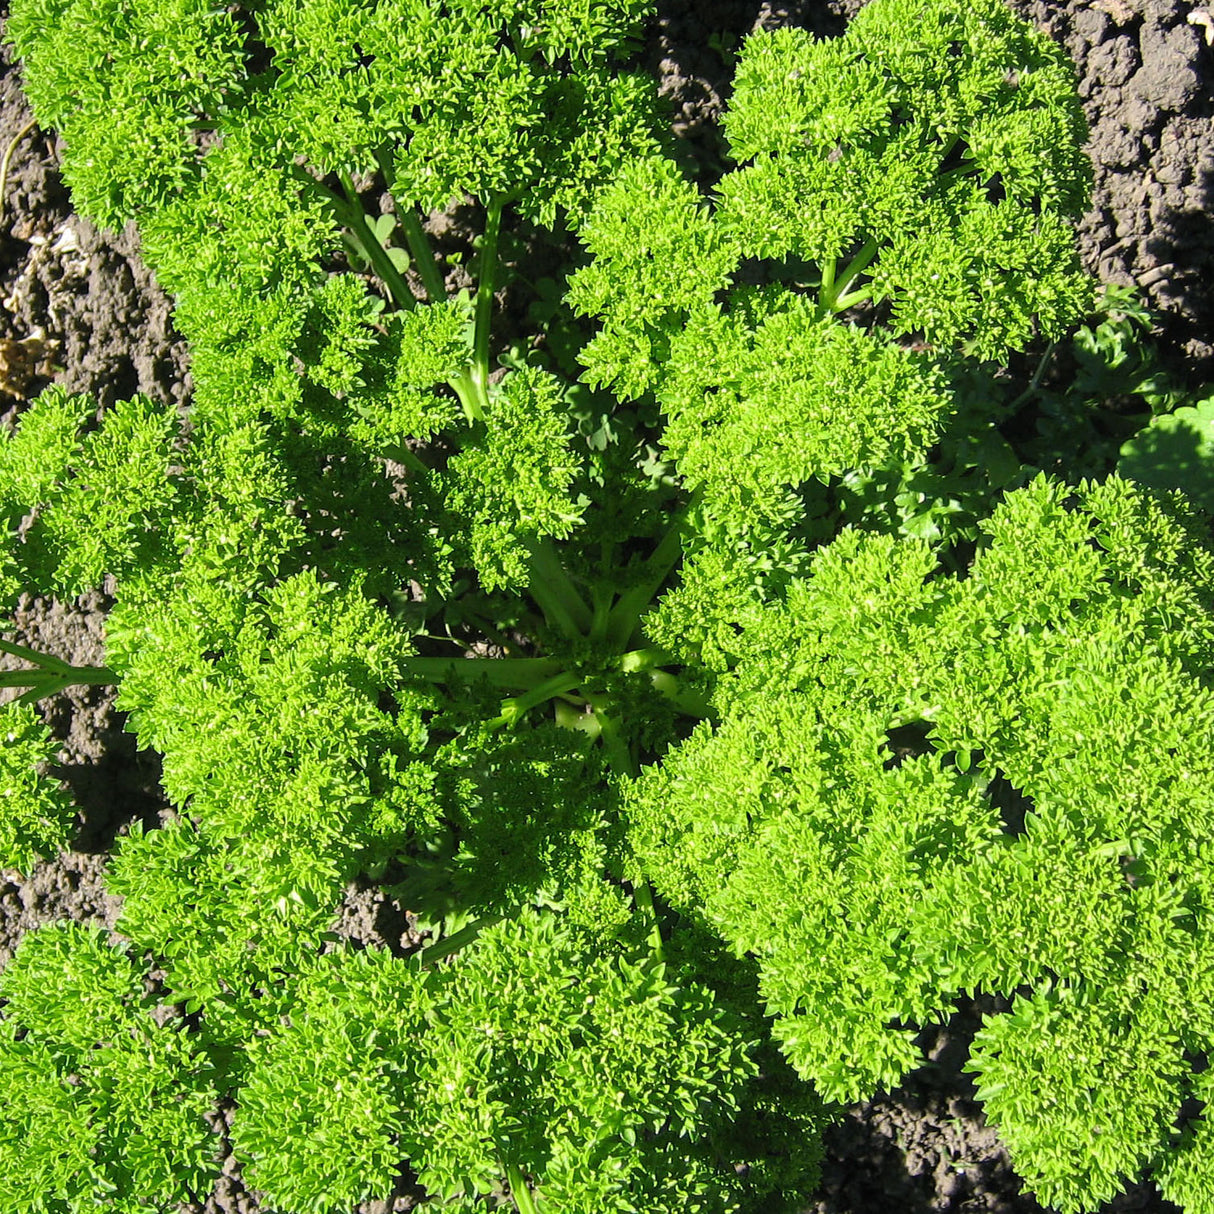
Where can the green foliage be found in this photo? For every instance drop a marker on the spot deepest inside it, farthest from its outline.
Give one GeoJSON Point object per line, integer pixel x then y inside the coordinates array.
{"type": "Point", "coordinates": [37, 817]}
{"type": "Point", "coordinates": [924, 146]}
{"type": "Point", "coordinates": [229, 917]}
{"type": "Point", "coordinates": [874, 886]}
{"type": "Point", "coordinates": [124, 84]}
{"type": "Point", "coordinates": [582, 1068]}
{"type": "Point", "coordinates": [319, 1114]}
{"type": "Point", "coordinates": [100, 497]}
{"type": "Point", "coordinates": [655, 254]}
{"type": "Point", "coordinates": [1176, 451]}
{"type": "Point", "coordinates": [473, 94]}
{"type": "Point", "coordinates": [1116, 1076]}
{"type": "Point", "coordinates": [718, 720]}
{"type": "Point", "coordinates": [102, 1104]}
{"type": "Point", "coordinates": [267, 719]}
{"type": "Point", "coordinates": [513, 488]}
{"type": "Point", "coordinates": [1183, 1175]}
{"type": "Point", "coordinates": [752, 403]}
{"type": "Point", "coordinates": [424, 349]}
{"type": "Point", "coordinates": [241, 221]}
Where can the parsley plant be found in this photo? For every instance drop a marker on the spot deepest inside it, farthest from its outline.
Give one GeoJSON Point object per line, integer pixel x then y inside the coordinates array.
{"type": "Point", "coordinates": [719, 735]}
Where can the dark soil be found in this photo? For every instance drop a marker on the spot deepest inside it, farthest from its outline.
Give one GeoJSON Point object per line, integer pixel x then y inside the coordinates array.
{"type": "Point", "coordinates": [1146, 68]}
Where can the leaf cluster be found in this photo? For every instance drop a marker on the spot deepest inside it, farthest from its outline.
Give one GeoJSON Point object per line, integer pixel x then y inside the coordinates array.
{"type": "Point", "coordinates": [103, 1104]}
{"type": "Point", "coordinates": [37, 817]}
{"type": "Point", "coordinates": [434, 1061]}
{"type": "Point", "coordinates": [849, 821]}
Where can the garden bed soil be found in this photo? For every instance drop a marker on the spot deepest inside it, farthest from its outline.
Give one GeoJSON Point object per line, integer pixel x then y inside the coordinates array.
{"type": "Point", "coordinates": [102, 326]}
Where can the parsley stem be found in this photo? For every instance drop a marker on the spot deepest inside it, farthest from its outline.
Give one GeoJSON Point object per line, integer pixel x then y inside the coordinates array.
{"type": "Point", "coordinates": [633, 603]}
{"type": "Point", "coordinates": [644, 659]}
{"type": "Point", "coordinates": [850, 300]}
{"type": "Point", "coordinates": [619, 753]}
{"type": "Point", "coordinates": [454, 942]}
{"type": "Point", "coordinates": [642, 895]}
{"type": "Point", "coordinates": [553, 589]}
{"type": "Point", "coordinates": [469, 398]}
{"type": "Point", "coordinates": [828, 282]}
{"type": "Point", "coordinates": [424, 260]}
{"type": "Point", "coordinates": [84, 676]}
{"type": "Point", "coordinates": [519, 1192]}
{"type": "Point", "coordinates": [518, 706]}
{"type": "Point", "coordinates": [831, 295]}
{"type": "Point", "coordinates": [485, 285]}
{"type": "Point", "coordinates": [689, 703]}
{"type": "Point", "coordinates": [50, 675]}
{"type": "Point", "coordinates": [411, 460]}
{"type": "Point", "coordinates": [57, 665]}
{"type": "Point", "coordinates": [1035, 382]}
{"type": "Point", "coordinates": [570, 715]}
{"type": "Point", "coordinates": [666, 684]}
{"type": "Point", "coordinates": [350, 210]}
{"type": "Point", "coordinates": [495, 635]}
{"type": "Point", "coordinates": [601, 597]}
{"type": "Point", "coordinates": [506, 673]}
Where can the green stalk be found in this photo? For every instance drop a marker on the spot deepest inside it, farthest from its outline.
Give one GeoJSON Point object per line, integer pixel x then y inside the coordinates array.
{"type": "Point", "coordinates": [82, 676]}
{"type": "Point", "coordinates": [472, 384]}
{"type": "Point", "coordinates": [519, 1192]}
{"type": "Point", "coordinates": [517, 706]}
{"type": "Point", "coordinates": [859, 263]}
{"type": "Point", "coordinates": [42, 687]}
{"type": "Point", "coordinates": [831, 295]}
{"type": "Point", "coordinates": [849, 301]}
{"type": "Point", "coordinates": [924, 143]}
{"type": "Point", "coordinates": [503, 642]}
{"type": "Point", "coordinates": [383, 158]}
{"type": "Point", "coordinates": [642, 895]}
{"type": "Point", "coordinates": [411, 461]}
{"type": "Point", "coordinates": [1035, 382]}
{"type": "Point", "coordinates": [619, 753]}
{"type": "Point", "coordinates": [828, 281]}
{"type": "Point", "coordinates": [469, 397]}
{"type": "Point", "coordinates": [554, 591]}
{"type": "Point", "coordinates": [506, 673]}
{"type": "Point", "coordinates": [664, 683]}
{"type": "Point", "coordinates": [568, 716]}
{"type": "Point", "coordinates": [96, 675]}
{"type": "Point", "coordinates": [689, 703]}
{"type": "Point", "coordinates": [355, 218]}
{"type": "Point", "coordinates": [486, 275]}
{"type": "Point", "coordinates": [50, 675]}
{"type": "Point", "coordinates": [633, 603]}
{"type": "Point", "coordinates": [637, 660]}
{"type": "Point", "coordinates": [453, 943]}
{"type": "Point", "coordinates": [964, 169]}
{"type": "Point", "coordinates": [424, 260]}
{"type": "Point", "coordinates": [600, 597]}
